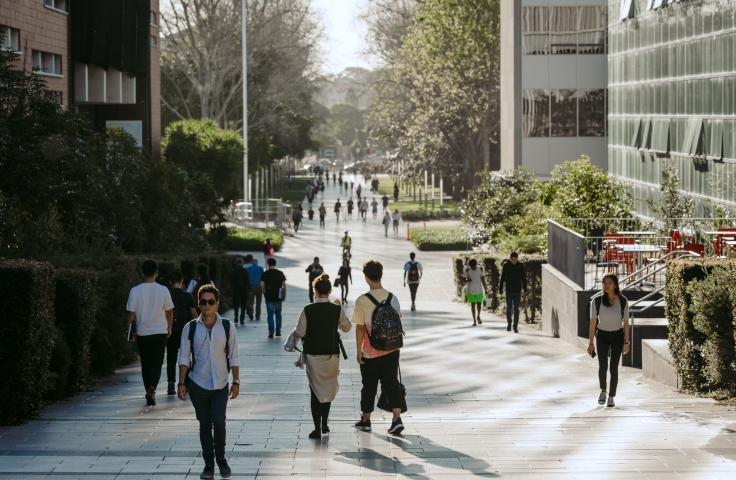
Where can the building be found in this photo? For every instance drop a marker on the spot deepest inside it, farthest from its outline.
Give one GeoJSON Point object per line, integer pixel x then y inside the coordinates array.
{"type": "Point", "coordinates": [100, 57]}
{"type": "Point", "coordinates": [672, 72]}
{"type": "Point", "coordinates": [553, 83]}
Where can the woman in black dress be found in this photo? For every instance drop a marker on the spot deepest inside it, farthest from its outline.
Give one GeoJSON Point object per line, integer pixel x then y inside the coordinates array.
{"type": "Point", "coordinates": [344, 274]}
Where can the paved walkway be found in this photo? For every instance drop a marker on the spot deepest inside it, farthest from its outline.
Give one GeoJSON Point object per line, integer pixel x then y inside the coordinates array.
{"type": "Point", "coordinates": [482, 403]}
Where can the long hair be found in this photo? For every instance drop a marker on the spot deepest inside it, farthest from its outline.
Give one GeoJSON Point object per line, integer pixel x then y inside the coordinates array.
{"type": "Point", "coordinates": [204, 277]}
{"type": "Point", "coordinates": [616, 290]}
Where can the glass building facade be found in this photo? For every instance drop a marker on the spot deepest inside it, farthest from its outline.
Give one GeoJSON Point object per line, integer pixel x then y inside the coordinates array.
{"type": "Point", "coordinates": [672, 97]}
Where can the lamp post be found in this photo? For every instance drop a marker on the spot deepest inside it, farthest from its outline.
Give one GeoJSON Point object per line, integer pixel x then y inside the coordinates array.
{"type": "Point", "coordinates": [245, 104]}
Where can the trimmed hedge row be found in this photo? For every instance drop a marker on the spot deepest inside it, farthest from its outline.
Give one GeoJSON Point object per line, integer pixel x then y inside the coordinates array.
{"type": "Point", "coordinates": [701, 308]}
{"type": "Point", "coordinates": [531, 301]}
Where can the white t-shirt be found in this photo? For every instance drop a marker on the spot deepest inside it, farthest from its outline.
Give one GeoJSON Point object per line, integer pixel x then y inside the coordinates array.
{"type": "Point", "coordinates": [475, 287]}
{"type": "Point", "coordinates": [609, 318]}
{"type": "Point", "coordinates": [396, 217]}
{"type": "Point", "coordinates": [150, 301]}
{"type": "Point", "coordinates": [407, 267]}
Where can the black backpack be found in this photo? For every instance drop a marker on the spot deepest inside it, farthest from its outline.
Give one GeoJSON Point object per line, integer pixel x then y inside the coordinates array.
{"type": "Point", "coordinates": [192, 329]}
{"type": "Point", "coordinates": [621, 301]}
{"type": "Point", "coordinates": [386, 330]}
{"type": "Point", "coordinates": [181, 309]}
{"type": "Point", "coordinates": [413, 272]}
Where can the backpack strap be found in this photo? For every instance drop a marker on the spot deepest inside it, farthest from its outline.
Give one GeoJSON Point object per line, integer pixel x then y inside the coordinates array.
{"type": "Point", "coordinates": [226, 325]}
{"type": "Point", "coordinates": [622, 301]}
{"type": "Point", "coordinates": [372, 298]}
{"type": "Point", "coordinates": [598, 301]}
{"type": "Point", "coordinates": [192, 329]}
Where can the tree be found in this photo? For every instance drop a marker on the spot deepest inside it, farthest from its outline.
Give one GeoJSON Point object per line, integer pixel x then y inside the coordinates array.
{"type": "Point", "coordinates": [579, 189]}
{"type": "Point", "coordinates": [338, 125]}
{"type": "Point", "coordinates": [672, 204]}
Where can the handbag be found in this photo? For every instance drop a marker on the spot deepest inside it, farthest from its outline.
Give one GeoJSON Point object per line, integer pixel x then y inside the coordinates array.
{"type": "Point", "coordinates": [337, 282]}
{"type": "Point", "coordinates": [383, 398]}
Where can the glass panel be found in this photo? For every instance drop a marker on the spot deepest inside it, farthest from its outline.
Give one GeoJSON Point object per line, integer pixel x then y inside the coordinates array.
{"type": "Point", "coordinates": [564, 113]}
{"type": "Point", "coordinates": [591, 30]}
{"type": "Point", "coordinates": [716, 61]}
{"type": "Point", "coordinates": [696, 49]}
{"type": "Point", "coordinates": [697, 92]}
{"type": "Point", "coordinates": [535, 113]}
{"type": "Point", "coordinates": [534, 31]}
{"type": "Point", "coordinates": [707, 50]}
{"type": "Point", "coordinates": [562, 25]}
{"type": "Point", "coordinates": [707, 84]}
{"type": "Point", "coordinates": [592, 113]}
{"type": "Point", "coordinates": [716, 95]}
{"type": "Point", "coordinates": [727, 60]}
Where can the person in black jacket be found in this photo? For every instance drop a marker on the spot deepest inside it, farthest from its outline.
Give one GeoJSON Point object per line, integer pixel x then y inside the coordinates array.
{"type": "Point", "coordinates": [314, 271]}
{"type": "Point", "coordinates": [241, 289]}
{"type": "Point", "coordinates": [514, 275]}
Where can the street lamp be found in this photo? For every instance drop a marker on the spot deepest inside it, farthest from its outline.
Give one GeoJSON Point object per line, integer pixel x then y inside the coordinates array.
{"type": "Point", "coordinates": [245, 106]}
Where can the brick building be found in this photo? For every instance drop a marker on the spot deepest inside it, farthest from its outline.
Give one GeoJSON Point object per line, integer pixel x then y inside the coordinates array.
{"type": "Point", "coordinates": [100, 57]}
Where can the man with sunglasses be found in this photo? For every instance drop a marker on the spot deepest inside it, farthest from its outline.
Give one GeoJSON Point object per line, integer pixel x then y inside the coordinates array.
{"type": "Point", "coordinates": [213, 352]}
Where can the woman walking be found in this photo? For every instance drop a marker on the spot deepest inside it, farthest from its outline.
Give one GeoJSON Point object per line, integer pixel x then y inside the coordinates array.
{"type": "Point", "coordinates": [345, 275]}
{"type": "Point", "coordinates": [609, 325]}
{"type": "Point", "coordinates": [396, 217]}
{"type": "Point", "coordinates": [317, 327]}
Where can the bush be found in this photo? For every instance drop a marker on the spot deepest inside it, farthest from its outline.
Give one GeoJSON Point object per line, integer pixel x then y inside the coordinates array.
{"type": "Point", "coordinates": [251, 239]}
{"type": "Point", "coordinates": [26, 337]}
{"type": "Point", "coordinates": [531, 301]}
{"type": "Point", "coordinates": [59, 367]}
{"type": "Point", "coordinates": [440, 239]}
{"type": "Point", "coordinates": [422, 214]}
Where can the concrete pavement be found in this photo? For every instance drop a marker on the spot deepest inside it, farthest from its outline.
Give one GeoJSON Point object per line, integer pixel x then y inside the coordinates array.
{"type": "Point", "coordinates": [483, 402]}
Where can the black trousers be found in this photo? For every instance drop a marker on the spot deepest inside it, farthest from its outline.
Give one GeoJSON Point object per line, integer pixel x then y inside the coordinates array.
{"type": "Point", "coordinates": [311, 293]}
{"type": "Point", "coordinates": [320, 411]}
{"type": "Point", "coordinates": [151, 349]}
{"type": "Point", "coordinates": [344, 290]}
{"type": "Point", "coordinates": [386, 370]}
{"type": "Point", "coordinates": [413, 290]}
{"type": "Point", "coordinates": [172, 350]}
{"type": "Point", "coordinates": [612, 342]}
{"type": "Point", "coordinates": [240, 302]}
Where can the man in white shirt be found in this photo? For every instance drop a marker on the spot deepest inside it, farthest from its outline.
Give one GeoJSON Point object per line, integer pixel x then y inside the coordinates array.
{"type": "Point", "coordinates": [150, 306]}
{"type": "Point", "coordinates": [412, 273]}
{"type": "Point", "coordinates": [213, 352]}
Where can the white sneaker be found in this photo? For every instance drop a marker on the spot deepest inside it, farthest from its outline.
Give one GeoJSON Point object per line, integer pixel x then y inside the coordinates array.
{"type": "Point", "coordinates": [611, 403]}
{"type": "Point", "coordinates": [602, 398]}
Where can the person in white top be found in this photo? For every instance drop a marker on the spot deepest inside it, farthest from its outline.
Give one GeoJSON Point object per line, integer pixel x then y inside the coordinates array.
{"type": "Point", "coordinates": [609, 326]}
{"type": "Point", "coordinates": [214, 352]}
{"type": "Point", "coordinates": [476, 278]}
{"type": "Point", "coordinates": [413, 273]}
{"type": "Point", "coordinates": [396, 217]}
{"type": "Point", "coordinates": [150, 306]}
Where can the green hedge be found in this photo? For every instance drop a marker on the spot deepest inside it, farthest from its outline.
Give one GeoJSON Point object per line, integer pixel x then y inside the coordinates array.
{"type": "Point", "coordinates": [26, 337]}
{"type": "Point", "coordinates": [422, 214]}
{"type": "Point", "coordinates": [700, 300]}
{"type": "Point", "coordinates": [531, 301]}
{"type": "Point", "coordinates": [251, 239]}
{"type": "Point", "coordinates": [443, 239]}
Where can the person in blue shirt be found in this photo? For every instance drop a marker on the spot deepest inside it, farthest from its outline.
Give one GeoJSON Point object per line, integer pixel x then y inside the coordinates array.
{"type": "Point", "coordinates": [256, 291]}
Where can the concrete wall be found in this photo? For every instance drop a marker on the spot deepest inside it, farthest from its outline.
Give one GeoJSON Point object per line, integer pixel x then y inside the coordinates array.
{"type": "Point", "coordinates": [657, 362]}
{"type": "Point", "coordinates": [560, 299]}
{"type": "Point", "coordinates": [510, 84]}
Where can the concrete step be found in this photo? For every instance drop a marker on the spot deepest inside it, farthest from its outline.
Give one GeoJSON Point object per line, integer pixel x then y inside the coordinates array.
{"type": "Point", "coordinates": [653, 312]}
{"type": "Point", "coordinates": [644, 329]}
{"type": "Point", "coordinates": [657, 362]}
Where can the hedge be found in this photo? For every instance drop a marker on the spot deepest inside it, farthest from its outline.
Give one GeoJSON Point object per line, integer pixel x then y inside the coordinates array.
{"type": "Point", "coordinates": [700, 301]}
{"type": "Point", "coordinates": [26, 337]}
{"type": "Point", "coordinates": [531, 301]}
{"type": "Point", "coordinates": [251, 239]}
{"type": "Point", "coordinates": [442, 239]}
{"type": "Point", "coordinates": [422, 214]}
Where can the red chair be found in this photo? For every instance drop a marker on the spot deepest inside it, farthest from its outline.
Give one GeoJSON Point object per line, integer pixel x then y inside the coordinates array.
{"type": "Point", "coordinates": [698, 248]}
{"type": "Point", "coordinates": [719, 243]}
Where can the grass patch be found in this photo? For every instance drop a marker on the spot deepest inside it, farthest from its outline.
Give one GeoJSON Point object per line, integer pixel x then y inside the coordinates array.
{"type": "Point", "coordinates": [439, 239]}
{"type": "Point", "coordinates": [251, 239]}
{"type": "Point", "coordinates": [296, 193]}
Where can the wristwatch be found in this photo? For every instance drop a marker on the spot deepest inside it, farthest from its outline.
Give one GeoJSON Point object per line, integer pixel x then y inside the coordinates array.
{"type": "Point", "coordinates": [236, 382]}
{"type": "Point", "coordinates": [181, 384]}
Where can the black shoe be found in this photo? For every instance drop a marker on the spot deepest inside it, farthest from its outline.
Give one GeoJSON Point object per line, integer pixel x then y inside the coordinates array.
{"type": "Point", "coordinates": [315, 434]}
{"type": "Point", "coordinates": [270, 335]}
{"type": "Point", "coordinates": [242, 322]}
{"type": "Point", "coordinates": [224, 468]}
{"type": "Point", "coordinates": [278, 333]}
{"type": "Point", "coordinates": [172, 389]}
{"type": "Point", "coordinates": [396, 427]}
{"type": "Point", "coordinates": [516, 330]}
{"type": "Point", "coordinates": [208, 472]}
{"type": "Point", "coordinates": [363, 425]}
{"type": "Point", "coordinates": [250, 316]}
{"type": "Point", "coordinates": [325, 429]}
{"type": "Point", "coordinates": [151, 396]}
{"type": "Point", "coordinates": [508, 329]}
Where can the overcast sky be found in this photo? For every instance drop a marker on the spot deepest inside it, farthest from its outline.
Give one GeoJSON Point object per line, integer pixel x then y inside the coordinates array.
{"type": "Point", "coordinates": [345, 34]}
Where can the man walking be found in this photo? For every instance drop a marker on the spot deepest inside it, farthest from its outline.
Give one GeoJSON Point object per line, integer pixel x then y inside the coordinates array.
{"type": "Point", "coordinates": [338, 206]}
{"type": "Point", "coordinates": [514, 275]}
{"type": "Point", "coordinates": [377, 365]}
{"type": "Point", "coordinates": [374, 207]}
{"type": "Point", "coordinates": [322, 214]}
{"type": "Point", "coordinates": [364, 209]}
{"type": "Point", "coordinates": [273, 282]}
{"type": "Point", "coordinates": [241, 290]}
{"type": "Point", "coordinates": [150, 305]}
{"type": "Point", "coordinates": [384, 202]}
{"type": "Point", "coordinates": [184, 311]}
{"type": "Point", "coordinates": [314, 271]}
{"type": "Point", "coordinates": [413, 273]}
{"type": "Point", "coordinates": [256, 290]}
{"type": "Point", "coordinates": [212, 351]}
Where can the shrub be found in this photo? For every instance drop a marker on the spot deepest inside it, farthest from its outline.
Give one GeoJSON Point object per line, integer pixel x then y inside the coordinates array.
{"type": "Point", "coordinates": [59, 367]}
{"type": "Point", "coordinates": [422, 214]}
{"type": "Point", "coordinates": [440, 239]}
{"type": "Point", "coordinates": [26, 337]}
{"type": "Point", "coordinates": [251, 239]}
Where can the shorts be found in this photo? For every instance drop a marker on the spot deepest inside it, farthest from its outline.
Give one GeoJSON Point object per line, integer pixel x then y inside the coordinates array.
{"type": "Point", "coordinates": [475, 298]}
{"type": "Point", "coordinates": [396, 223]}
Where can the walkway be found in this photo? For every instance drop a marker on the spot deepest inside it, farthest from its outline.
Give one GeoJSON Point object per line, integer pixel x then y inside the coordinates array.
{"type": "Point", "coordinates": [483, 402]}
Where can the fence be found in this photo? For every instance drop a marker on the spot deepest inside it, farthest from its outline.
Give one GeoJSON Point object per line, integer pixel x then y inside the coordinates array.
{"type": "Point", "coordinates": [261, 213]}
{"type": "Point", "coordinates": [567, 252]}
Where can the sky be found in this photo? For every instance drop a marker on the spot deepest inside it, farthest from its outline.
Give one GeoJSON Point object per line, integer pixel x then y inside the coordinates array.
{"type": "Point", "coordinates": [345, 34]}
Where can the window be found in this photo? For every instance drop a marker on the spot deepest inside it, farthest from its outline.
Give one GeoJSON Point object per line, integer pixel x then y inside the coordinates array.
{"type": "Point", "coordinates": [535, 113]}
{"type": "Point", "coordinates": [693, 136]}
{"type": "Point", "coordinates": [46, 63]}
{"type": "Point", "coordinates": [592, 116]}
{"type": "Point", "coordinates": [534, 28]}
{"type": "Point", "coordinates": [562, 28]}
{"type": "Point", "coordinates": [61, 5]}
{"type": "Point", "coordinates": [57, 97]}
{"type": "Point", "coordinates": [9, 39]}
{"type": "Point", "coordinates": [153, 40]}
{"type": "Point", "coordinates": [628, 8]}
{"type": "Point", "coordinates": [154, 22]}
{"type": "Point", "coordinates": [592, 30]}
{"type": "Point", "coordinates": [564, 113]}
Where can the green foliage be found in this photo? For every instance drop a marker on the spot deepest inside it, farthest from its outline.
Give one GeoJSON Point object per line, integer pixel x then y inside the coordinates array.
{"type": "Point", "coordinates": [338, 124]}
{"type": "Point", "coordinates": [251, 239]}
{"type": "Point", "coordinates": [422, 214]}
{"type": "Point", "coordinates": [59, 367]}
{"type": "Point", "coordinates": [579, 189]}
{"type": "Point", "coordinates": [26, 337]}
{"type": "Point", "coordinates": [673, 204]}
{"type": "Point", "coordinates": [440, 239]}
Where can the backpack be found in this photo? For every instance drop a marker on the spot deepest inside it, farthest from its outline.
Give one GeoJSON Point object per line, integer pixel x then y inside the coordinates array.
{"type": "Point", "coordinates": [621, 301]}
{"type": "Point", "coordinates": [181, 309]}
{"type": "Point", "coordinates": [386, 330]}
{"type": "Point", "coordinates": [413, 272]}
{"type": "Point", "coordinates": [192, 329]}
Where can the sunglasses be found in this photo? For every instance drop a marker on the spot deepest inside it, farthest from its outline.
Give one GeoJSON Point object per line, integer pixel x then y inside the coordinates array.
{"type": "Point", "coordinates": [205, 302]}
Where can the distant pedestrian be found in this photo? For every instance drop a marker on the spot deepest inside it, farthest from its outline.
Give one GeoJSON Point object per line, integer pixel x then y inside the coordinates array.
{"type": "Point", "coordinates": [350, 208]}
{"type": "Point", "coordinates": [345, 275]}
{"type": "Point", "coordinates": [386, 222]}
{"type": "Point", "coordinates": [296, 216]}
{"type": "Point", "coordinates": [322, 214]}
{"type": "Point", "coordinates": [514, 275]}
{"type": "Point", "coordinates": [396, 217]}
{"type": "Point", "coordinates": [150, 306]}
{"type": "Point", "coordinates": [358, 191]}
{"type": "Point", "coordinates": [338, 207]}
{"type": "Point", "coordinates": [374, 207]}
{"type": "Point", "coordinates": [412, 275]}
{"type": "Point", "coordinates": [184, 311]}
{"type": "Point", "coordinates": [241, 290]}
{"type": "Point", "coordinates": [209, 353]}
{"type": "Point", "coordinates": [396, 192]}
{"type": "Point", "coordinates": [351, 186]}
{"type": "Point", "coordinates": [268, 250]}
{"type": "Point", "coordinates": [378, 336]}
{"type": "Point", "coordinates": [339, 180]}
{"type": "Point", "coordinates": [609, 325]}
{"type": "Point", "coordinates": [346, 243]}
{"type": "Point", "coordinates": [255, 272]}
{"type": "Point", "coordinates": [314, 271]}
{"type": "Point", "coordinates": [476, 279]}
{"type": "Point", "coordinates": [311, 213]}
{"type": "Point", "coordinates": [364, 209]}
{"type": "Point", "coordinates": [202, 277]}
{"type": "Point", "coordinates": [384, 202]}
{"type": "Point", "coordinates": [273, 282]}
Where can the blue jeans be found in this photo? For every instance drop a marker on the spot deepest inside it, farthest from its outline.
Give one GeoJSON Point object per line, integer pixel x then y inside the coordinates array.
{"type": "Point", "coordinates": [271, 308]}
{"type": "Point", "coordinates": [210, 405]}
{"type": "Point", "coordinates": [512, 302]}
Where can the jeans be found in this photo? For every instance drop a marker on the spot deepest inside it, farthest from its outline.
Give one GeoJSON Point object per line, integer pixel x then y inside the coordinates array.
{"type": "Point", "coordinates": [255, 297]}
{"type": "Point", "coordinates": [172, 350]}
{"type": "Point", "coordinates": [613, 341]}
{"type": "Point", "coordinates": [386, 370]}
{"type": "Point", "coordinates": [413, 290]}
{"type": "Point", "coordinates": [151, 349]}
{"type": "Point", "coordinates": [321, 221]}
{"type": "Point", "coordinates": [210, 406]}
{"type": "Point", "coordinates": [512, 302]}
{"type": "Point", "coordinates": [271, 308]}
{"type": "Point", "coordinates": [240, 302]}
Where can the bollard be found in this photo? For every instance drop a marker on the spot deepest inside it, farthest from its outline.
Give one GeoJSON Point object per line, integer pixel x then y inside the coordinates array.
{"type": "Point", "coordinates": [425, 226]}
{"type": "Point", "coordinates": [408, 231]}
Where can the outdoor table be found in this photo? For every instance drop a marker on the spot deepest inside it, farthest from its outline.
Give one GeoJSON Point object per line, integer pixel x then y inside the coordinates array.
{"type": "Point", "coordinates": [634, 234]}
{"type": "Point", "coordinates": [639, 250]}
